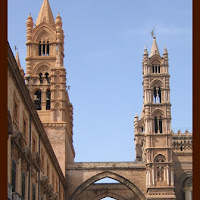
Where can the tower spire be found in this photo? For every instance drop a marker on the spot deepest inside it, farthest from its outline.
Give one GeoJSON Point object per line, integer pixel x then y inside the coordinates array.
{"type": "Point", "coordinates": [154, 48]}
{"type": "Point", "coordinates": [45, 14]}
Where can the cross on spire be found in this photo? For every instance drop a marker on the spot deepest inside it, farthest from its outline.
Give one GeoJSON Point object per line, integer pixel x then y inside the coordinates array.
{"type": "Point", "coordinates": [153, 33]}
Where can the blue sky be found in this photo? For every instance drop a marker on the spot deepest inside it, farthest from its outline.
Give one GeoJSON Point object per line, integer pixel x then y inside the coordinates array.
{"type": "Point", "coordinates": [104, 45]}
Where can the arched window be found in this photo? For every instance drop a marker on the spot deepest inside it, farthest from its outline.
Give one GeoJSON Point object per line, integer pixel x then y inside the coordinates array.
{"type": "Point", "coordinates": [37, 100]}
{"type": "Point", "coordinates": [48, 100]}
{"type": "Point", "coordinates": [40, 48]}
{"type": "Point", "coordinates": [43, 52]}
{"type": "Point", "coordinates": [160, 125]}
{"type": "Point", "coordinates": [155, 68]}
{"type": "Point", "coordinates": [157, 95]}
{"type": "Point", "coordinates": [156, 124]}
{"type": "Point", "coordinates": [44, 48]}
{"type": "Point", "coordinates": [47, 48]}
{"type": "Point", "coordinates": [47, 77]}
{"type": "Point", "coordinates": [40, 78]}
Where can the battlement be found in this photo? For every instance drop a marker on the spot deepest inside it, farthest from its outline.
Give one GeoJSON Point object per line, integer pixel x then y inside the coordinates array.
{"type": "Point", "coordinates": [182, 141]}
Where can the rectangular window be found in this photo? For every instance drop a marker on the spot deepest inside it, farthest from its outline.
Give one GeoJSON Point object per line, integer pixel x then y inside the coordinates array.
{"type": "Point", "coordinates": [23, 185]}
{"type": "Point", "coordinates": [13, 175]}
{"type": "Point", "coordinates": [33, 192]}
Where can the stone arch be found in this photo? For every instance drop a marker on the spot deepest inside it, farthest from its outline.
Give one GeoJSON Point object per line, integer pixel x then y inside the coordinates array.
{"type": "Point", "coordinates": [108, 194]}
{"type": "Point", "coordinates": [42, 67]}
{"type": "Point", "coordinates": [156, 82]}
{"type": "Point", "coordinates": [184, 176]}
{"type": "Point", "coordinates": [44, 29]}
{"type": "Point", "coordinates": [155, 59]}
{"type": "Point", "coordinates": [108, 174]}
{"type": "Point", "coordinates": [157, 112]}
{"type": "Point", "coordinates": [159, 158]}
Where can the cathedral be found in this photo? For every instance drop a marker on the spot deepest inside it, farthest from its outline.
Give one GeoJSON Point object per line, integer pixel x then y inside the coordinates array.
{"type": "Point", "coordinates": [40, 130]}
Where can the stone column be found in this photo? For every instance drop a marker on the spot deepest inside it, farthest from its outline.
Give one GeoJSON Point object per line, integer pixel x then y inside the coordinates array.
{"type": "Point", "coordinates": [188, 195]}
{"type": "Point", "coordinates": [167, 175]}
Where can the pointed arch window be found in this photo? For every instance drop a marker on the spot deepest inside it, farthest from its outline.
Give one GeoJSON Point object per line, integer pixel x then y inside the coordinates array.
{"type": "Point", "coordinates": [40, 48]}
{"type": "Point", "coordinates": [40, 78]}
{"type": "Point", "coordinates": [157, 95]}
{"type": "Point", "coordinates": [160, 125]}
{"type": "Point", "coordinates": [156, 124]}
{"type": "Point", "coordinates": [156, 68]}
{"type": "Point", "coordinates": [47, 77]}
{"type": "Point", "coordinates": [44, 48]}
{"type": "Point", "coordinates": [48, 100]}
{"type": "Point", "coordinates": [47, 48]}
{"type": "Point", "coordinates": [37, 100]}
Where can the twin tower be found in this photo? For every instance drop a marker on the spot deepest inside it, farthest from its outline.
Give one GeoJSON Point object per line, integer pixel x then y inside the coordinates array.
{"type": "Point", "coordinates": [46, 82]}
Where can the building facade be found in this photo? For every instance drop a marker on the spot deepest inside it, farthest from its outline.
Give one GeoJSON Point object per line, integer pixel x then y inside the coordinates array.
{"type": "Point", "coordinates": [40, 130]}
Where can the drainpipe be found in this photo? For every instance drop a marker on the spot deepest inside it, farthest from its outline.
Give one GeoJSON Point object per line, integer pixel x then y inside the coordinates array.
{"type": "Point", "coordinates": [29, 175]}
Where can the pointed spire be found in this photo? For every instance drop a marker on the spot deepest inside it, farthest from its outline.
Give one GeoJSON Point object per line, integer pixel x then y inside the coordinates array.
{"type": "Point", "coordinates": [45, 14]}
{"type": "Point", "coordinates": [154, 48]}
{"type": "Point", "coordinates": [18, 63]}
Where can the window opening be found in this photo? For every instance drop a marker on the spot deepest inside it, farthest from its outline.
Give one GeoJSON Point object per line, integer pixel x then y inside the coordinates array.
{"type": "Point", "coordinates": [40, 78]}
{"type": "Point", "coordinates": [47, 47]}
{"type": "Point", "coordinates": [157, 95]}
{"type": "Point", "coordinates": [44, 48]}
{"type": "Point", "coordinates": [37, 100]}
{"type": "Point", "coordinates": [47, 77]}
{"type": "Point", "coordinates": [156, 125]}
{"type": "Point", "coordinates": [158, 68]}
{"type": "Point", "coordinates": [48, 100]}
{"type": "Point", "coordinates": [40, 48]}
{"type": "Point", "coordinates": [160, 125]}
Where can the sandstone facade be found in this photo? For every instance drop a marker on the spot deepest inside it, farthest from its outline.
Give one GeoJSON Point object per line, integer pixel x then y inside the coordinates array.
{"type": "Point", "coordinates": [40, 130]}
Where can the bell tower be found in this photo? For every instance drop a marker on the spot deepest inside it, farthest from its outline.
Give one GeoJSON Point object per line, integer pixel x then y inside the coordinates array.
{"type": "Point", "coordinates": [153, 135]}
{"type": "Point", "coordinates": [46, 81]}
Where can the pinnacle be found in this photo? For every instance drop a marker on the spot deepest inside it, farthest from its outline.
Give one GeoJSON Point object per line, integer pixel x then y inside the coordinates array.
{"type": "Point", "coordinates": [17, 60]}
{"type": "Point", "coordinates": [45, 13]}
{"type": "Point", "coordinates": [154, 48]}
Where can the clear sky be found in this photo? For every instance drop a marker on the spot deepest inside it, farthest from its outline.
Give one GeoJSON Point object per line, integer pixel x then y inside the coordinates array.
{"type": "Point", "coordinates": [104, 45]}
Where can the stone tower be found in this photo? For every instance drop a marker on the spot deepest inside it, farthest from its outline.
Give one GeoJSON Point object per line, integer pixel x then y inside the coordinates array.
{"type": "Point", "coordinates": [153, 135]}
{"type": "Point", "coordinates": [46, 81]}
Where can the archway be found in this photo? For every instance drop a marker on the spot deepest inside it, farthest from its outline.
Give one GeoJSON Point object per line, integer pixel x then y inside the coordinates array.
{"type": "Point", "coordinates": [111, 175]}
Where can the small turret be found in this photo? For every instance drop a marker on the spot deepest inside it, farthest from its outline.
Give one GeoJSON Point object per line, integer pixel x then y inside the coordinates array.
{"type": "Point", "coordinates": [19, 65]}
{"type": "Point", "coordinates": [29, 25]}
{"type": "Point", "coordinates": [165, 53]}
